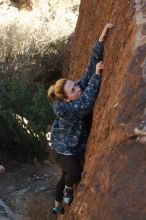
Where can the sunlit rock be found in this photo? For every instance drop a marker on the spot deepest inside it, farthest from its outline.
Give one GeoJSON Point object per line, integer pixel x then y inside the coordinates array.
{"type": "Point", "coordinates": [5, 212]}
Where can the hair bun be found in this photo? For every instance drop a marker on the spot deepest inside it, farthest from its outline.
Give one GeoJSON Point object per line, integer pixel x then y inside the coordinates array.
{"type": "Point", "coordinates": [51, 92]}
{"type": "Point", "coordinates": [56, 91]}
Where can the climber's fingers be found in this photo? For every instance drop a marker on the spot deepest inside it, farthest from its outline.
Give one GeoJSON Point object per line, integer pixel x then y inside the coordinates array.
{"type": "Point", "coordinates": [99, 66]}
{"type": "Point", "coordinates": [109, 26]}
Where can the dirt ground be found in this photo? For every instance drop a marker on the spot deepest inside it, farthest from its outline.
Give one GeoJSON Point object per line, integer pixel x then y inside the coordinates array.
{"type": "Point", "coordinates": [27, 191]}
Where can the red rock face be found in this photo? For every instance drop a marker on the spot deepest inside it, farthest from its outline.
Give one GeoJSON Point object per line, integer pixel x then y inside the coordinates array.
{"type": "Point", "coordinates": [113, 185]}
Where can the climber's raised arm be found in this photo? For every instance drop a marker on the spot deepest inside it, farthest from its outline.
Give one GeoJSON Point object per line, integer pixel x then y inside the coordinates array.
{"type": "Point", "coordinates": [104, 33]}
{"type": "Point", "coordinates": [96, 56]}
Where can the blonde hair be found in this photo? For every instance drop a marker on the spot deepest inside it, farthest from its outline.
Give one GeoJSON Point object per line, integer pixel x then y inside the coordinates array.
{"type": "Point", "coordinates": [56, 91]}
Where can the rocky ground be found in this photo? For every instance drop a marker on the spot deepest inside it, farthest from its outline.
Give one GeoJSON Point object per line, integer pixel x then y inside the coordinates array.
{"type": "Point", "coordinates": [27, 191]}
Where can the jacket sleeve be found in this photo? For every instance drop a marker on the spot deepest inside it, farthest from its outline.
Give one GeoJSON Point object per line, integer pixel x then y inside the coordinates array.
{"type": "Point", "coordinates": [82, 106]}
{"type": "Point", "coordinates": [96, 56]}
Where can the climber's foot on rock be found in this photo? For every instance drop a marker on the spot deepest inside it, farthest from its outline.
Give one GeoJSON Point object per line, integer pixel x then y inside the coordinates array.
{"type": "Point", "coordinates": [68, 196]}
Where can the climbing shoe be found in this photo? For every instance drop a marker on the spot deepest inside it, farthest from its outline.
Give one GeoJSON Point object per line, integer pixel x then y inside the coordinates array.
{"type": "Point", "coordinates": [58, 210]}
{"type": "Point", "coordinates": [68, 196]}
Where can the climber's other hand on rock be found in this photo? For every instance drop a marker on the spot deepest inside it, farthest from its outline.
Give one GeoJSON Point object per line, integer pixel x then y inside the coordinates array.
{"type": "Point", "coordinates": [99, 68]}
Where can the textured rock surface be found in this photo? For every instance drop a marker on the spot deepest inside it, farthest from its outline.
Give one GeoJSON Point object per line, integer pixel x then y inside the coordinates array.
{"type": "Point", "coordinates": [113, 183]}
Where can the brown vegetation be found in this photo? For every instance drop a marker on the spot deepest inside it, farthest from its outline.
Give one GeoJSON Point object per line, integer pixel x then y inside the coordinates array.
{"type": "Point", "coordinates": [23, 4]}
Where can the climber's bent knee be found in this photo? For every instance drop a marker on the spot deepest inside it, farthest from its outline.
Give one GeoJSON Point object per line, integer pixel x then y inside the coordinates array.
{"type": "Point", "coordinates": [70, 180]}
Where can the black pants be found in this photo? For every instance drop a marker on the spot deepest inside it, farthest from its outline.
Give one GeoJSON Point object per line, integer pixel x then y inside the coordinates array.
{"type": "Point", "coordinates": [71, 172]}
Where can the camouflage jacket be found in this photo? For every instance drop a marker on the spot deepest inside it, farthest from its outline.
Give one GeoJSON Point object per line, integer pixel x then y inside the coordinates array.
{"type": "Point", "coordinates": [69, 133]}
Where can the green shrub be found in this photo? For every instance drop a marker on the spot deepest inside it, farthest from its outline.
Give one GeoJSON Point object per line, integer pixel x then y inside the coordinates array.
{"type": "Point", "coordinates": [25, 109]}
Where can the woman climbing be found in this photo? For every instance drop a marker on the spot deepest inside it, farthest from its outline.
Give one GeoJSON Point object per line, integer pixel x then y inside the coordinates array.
{"type": "Point", "coordinates": [71, 102]}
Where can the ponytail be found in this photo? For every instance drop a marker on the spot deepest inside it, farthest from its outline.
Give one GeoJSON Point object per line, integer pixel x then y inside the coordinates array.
{"type": "Point", "coordinates": [56, 91]}
{"type": "Point", "coordinates": [51, 93]}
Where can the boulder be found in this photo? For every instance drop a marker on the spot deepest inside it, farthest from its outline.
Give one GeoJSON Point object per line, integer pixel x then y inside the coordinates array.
{"type": "Point", "coordinates": [113, 181]}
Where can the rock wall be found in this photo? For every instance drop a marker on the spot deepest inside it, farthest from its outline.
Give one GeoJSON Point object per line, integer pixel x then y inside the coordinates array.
{"type": "Point", "coordinates": [113, 182]}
